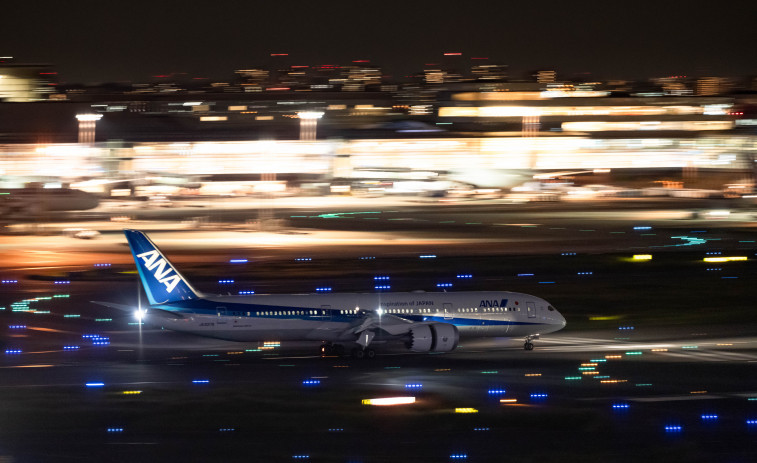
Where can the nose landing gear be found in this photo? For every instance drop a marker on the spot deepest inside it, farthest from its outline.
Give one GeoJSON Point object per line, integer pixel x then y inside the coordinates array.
{"type": "Point", "coordinates": [528, 345]}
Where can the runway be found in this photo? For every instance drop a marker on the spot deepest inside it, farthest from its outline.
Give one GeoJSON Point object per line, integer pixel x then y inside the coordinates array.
{"type": "Point", "coordinates": [658, 357]}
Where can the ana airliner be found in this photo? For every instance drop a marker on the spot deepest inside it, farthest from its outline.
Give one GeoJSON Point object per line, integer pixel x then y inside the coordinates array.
{"type": "Point", "coordinates": [423, 321]}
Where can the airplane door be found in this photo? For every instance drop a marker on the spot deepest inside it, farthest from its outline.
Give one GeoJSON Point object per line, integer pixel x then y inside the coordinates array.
{"type": "Point", "coordinates": [326, 312]}
{"type": "Point", "coordinates": [448, 314]}
{"type": "Point", "coordinates": [531, 310]}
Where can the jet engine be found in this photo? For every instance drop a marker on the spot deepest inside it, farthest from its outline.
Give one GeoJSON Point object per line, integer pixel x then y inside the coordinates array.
{"type": "Point", "coordinates": [433, 337]}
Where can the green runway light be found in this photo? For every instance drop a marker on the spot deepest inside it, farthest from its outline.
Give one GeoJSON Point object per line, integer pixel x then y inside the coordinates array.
{"type": "Point", "coordinates": [573, 378]}
{"type": "Point", "coordinates": [71, 315]}
{"type": "Point", "coordinates": [689, 347]}
{"type": "Point", "coordinates": [489, 372]}
{"type": "Point", "coordinates": [636, 352]}
{"type": "Point", "coordinates": [644, 385]}
{"type": "Point", "coordinates": [103, 319]}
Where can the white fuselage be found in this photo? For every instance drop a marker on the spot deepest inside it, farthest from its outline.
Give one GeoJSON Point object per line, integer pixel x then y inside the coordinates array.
{"type": "Point", "coordinates": [336, 317]}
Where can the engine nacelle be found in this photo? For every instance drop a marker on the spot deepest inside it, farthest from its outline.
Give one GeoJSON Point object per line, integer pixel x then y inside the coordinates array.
{"type": "Point", "coordinates": [434, 337]}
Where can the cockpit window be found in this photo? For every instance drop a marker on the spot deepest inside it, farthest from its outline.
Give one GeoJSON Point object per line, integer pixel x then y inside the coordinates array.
{"type": "Point", "coordinates": [550, 308]}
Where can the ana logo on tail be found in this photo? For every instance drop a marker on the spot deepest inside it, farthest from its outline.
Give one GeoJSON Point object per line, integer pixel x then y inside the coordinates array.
{"type": "Point", "coordinates": [160, 269]}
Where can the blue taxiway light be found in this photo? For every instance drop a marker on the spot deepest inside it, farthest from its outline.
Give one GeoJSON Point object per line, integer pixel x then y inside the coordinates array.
{"type": "Point", "coordinates": [623, 406]}
{"type": "Point", "coordinates": [323, 289]}
{"type": "Point", "coordinates": [12, 351]}
{"type": "Point", "coordinates": [95, 384]}
{"type": "Point", "coordinates": [413, 386]}
{"type": "Point", "coordinates": [200, 381]}
{"type": "Point", "coordinates": [539, 396]}
{"type": "Point", "coordinates": [673, 428]}
{"type": "Point", "coordinates": [382, 287]}
{"type": "Point", "coordinates": [428, 256]}
{"type": "Point", "coordinates": [709, 417]}
{"type": "Point", "coordinates": [466, 275]}
{"type": "Point", "coordinates": [238, 261]}
{"type": "Point", "coordinates": [112, 430]}
{"type": "Point", "coordinates": [225, 282]}
{"type": "Point", "coordinates": [246, 293]}
{"type": "Point", "coordinates": [311, 382]}
{"type": "Point", "coordinates": [496, 391]}
{"type": "Point", "coordinates": [444, 285]}
{"type": "Point", "coordinates": [381, 278]}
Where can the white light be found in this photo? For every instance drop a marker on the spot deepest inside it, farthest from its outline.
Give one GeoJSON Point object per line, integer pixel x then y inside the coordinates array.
{"type": "Point", "coordinates": [140, 314]}
{"type": "Point", "coordinates": [380, 311]}
{"type": "Point", "coordinates": [88, 117]}
{"type": "Point", "coordinates": [310, 114]}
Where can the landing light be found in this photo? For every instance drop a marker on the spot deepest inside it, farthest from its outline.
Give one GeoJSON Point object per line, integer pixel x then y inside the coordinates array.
{"type": "Point", "coordinates": [139, 314]}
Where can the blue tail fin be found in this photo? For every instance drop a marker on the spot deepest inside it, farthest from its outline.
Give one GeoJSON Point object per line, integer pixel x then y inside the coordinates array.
{"type": "Point", "coordinates": [160, 279]}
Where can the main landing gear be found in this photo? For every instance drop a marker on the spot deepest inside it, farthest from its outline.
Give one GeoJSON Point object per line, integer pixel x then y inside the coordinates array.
{"type": "Point", "coordinates": [360, 353]}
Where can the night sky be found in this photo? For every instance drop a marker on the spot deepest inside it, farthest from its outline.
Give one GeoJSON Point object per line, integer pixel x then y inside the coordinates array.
{"type": "Point", "coordinates": [101, 41]}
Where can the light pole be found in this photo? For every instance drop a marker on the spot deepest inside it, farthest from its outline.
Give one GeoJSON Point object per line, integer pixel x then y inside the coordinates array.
{"type": "Point", "coordinates": [308, 123]}
{"type": "Point", "coordinates": [87, 124]}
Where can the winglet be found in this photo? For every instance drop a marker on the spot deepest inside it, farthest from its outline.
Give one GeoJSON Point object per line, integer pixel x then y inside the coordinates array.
{"type": "Point", "coordinates": [162, 282]}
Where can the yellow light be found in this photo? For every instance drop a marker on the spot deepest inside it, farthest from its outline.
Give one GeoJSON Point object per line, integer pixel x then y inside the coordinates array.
{"type": "Point", "coordinates": [642, 257]}
{"type": "Point", "coordinates": [613, 356]}
{"type": "Point", "coordinates": [589, 372]}
{"type": "Point", "coordinates": [588, 364]}
{"type": "Point", "coordinates": [533, 374]}
{"type": "Point", "coordinates": [725, 259]}
{"type": "Point", "coordinates": [613, 381]}
{"type": "Point", "coordinates": [132, 392]}
{"type": "Point", "coordinates": [466, 410]}
{"type": "Point", "coordinates": [659, 350]}
{"type": "Point", "coordinates": [389, 401]}
{"type": "Point", "coordinates": [213, 118]}
{"type": "Point", "coordinates": [698, 392]}
{"type": "Point", "coordinates": [508, 401]}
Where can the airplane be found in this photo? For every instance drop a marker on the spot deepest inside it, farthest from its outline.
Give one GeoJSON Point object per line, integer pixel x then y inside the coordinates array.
{"type": "Point", "coordinates": [31, 202]}
{"type": "Point", "coordinates": [424, 321]}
